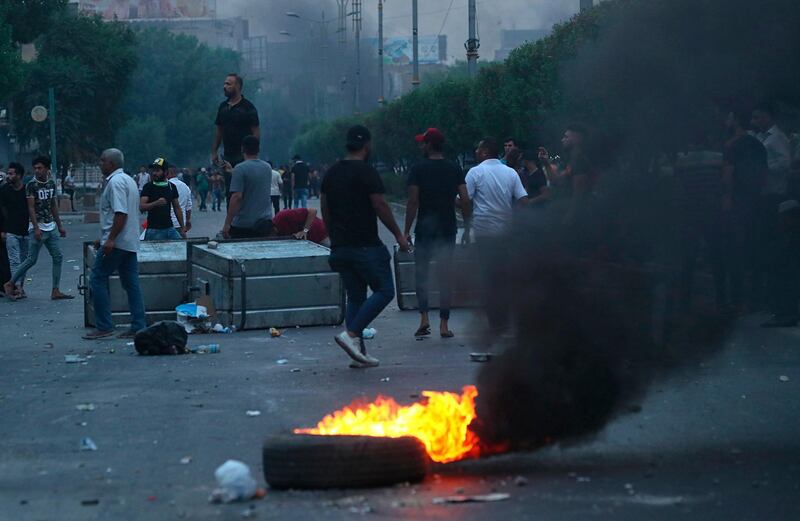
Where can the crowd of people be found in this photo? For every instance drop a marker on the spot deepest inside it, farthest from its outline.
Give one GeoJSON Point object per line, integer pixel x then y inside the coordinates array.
{"type": "Point", "coordinates": [739, 206]}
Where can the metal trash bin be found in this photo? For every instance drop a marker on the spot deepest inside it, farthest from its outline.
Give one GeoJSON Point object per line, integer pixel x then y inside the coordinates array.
{"type": "Point", "coordinates": [270, 283]}
{"type": "Point", "coordinates": [466, 293]}
{"type": "Point", "coordinates": [163, 277]}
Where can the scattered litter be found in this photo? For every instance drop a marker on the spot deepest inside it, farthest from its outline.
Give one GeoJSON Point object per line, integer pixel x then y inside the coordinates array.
{"type": "Point", "coordinates": [583, 479]}
{"type": "Point", "coordinates": [295, 370]}
{"type": "Point", "coordinates": [235, 483]}
{"type": "Point", "coordinates": [49, 345]}
{"type": "Point", "coordinates": [205, 349]}
{"type": "Point", "coordinates": [274, 332]}
{"type": "Point", "coordinates": [212, 245]}
{"type": "Point", "coordinates": [86, 407]}
{"type": "Point", "coordinates": [783, 378]}
{"type": "Point", "coordinates": [219, 328]}
{"type": "Point", "coordinates": [74, 359]}
{"type": "Point", "coordinates": [369, 333]}
{"type": "Point", "coordinates": [385, 379]}
{"type": "Point", "coordinates": [486, 498]}
{"type": "Point", "coordinates": [186, 460]}
{"type": "Point", "coordinates": [253, 413]}
{"type": "Point", "coordinates": [520, 481]}
{"type": "Point", "coordinates": [88, 444]}
{"type": "Point", "coordinates": [129, 343]}
{"type": "Point", "coordinates": [71, 261]}
{"type": "Point", "coordinates": [481, 357]}
{"type": "Point", "coordinates": [90, 502]}
{"type": "Point", "coordinates": [193, 317]}
{"type": "Point", "coordinates": [76, 268]}
{"type": "Point", "coordinates": [282, 361]}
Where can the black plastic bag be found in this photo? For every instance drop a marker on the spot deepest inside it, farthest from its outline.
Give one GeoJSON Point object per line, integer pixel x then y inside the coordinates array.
{"type": "Point", "coordinates": [162, 338]}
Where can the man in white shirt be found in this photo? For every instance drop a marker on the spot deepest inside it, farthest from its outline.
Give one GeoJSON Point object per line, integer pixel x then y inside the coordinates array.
{"type": "Point", "coordinates": [116, 251]}
{"type": "Point", "coordinates": [184, 200]}
{"type": "Point", "coordinates": [779, 151]}
{"type": "Point", "coordinates": [494, 189]}
{"type": "Point", "coordinates": [142, 178]}
{"type": "Point", "coordinates": [275, 190]}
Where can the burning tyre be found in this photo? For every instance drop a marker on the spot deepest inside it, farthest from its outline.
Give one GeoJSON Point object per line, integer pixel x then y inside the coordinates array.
{"type": "Point", "coordinates": [311, 461]}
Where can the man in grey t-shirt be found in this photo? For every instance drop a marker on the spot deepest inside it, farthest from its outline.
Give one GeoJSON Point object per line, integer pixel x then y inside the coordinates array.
{"type": "Point", "coordinates": [249, 211]}
{"type": "Point", "coordinates": [119, 220]}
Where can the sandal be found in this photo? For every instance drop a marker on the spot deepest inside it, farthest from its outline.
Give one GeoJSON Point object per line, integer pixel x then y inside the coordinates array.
{"type": "Point", "coordinates": [423, 331]}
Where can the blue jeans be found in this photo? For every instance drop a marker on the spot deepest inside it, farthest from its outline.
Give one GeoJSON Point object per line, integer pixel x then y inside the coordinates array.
{"type": "Point", "coordinates": [49, 241]}
{"type": "Point", "coordinates": [361, 267]}
{"type": "Point", "coordinates": [301, 197]}
{"type": "Point", "coordinates": [17, 247]}
{"type": "Point", "coordinates": [165, 234]}
{"type": "Point", "coordinates": [126, 263]}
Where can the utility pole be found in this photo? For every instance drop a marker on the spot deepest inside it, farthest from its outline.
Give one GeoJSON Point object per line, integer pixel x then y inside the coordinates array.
{"type": "Point", "coordinates": [473, 44]}
{"type": "Point", "coordinates": [324, 38]}
{"type": "Point", "coordinates": [381, 99]}
{"type": "Point", "coordinates": [415, 42]}
{"type": "Point", "coordinates": [357, 30]}
{"type": "Point", "coordinates": [51, 95]}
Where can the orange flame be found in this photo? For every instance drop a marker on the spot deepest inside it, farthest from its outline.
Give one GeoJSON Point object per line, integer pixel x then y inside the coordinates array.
{"type": "Point", "coordinates": [441, 421]}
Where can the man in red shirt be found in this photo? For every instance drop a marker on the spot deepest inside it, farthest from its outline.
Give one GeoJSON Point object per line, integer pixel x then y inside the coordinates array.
{"type": "Point", "coordinates": [302, 223]}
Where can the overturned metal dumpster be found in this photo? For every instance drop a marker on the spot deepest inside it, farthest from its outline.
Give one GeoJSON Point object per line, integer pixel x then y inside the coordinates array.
{"type": "Point", "coordinates": [163, 277]}
{"type": "Point", "coordinates": [465, 270]}
{"type": "Point", "coordinates": [269, 283]}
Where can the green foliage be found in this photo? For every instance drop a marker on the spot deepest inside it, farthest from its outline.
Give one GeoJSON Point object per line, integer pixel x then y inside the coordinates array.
{"type": "Point", "coordinates": [177, 86]}
{"type": "Point", "coordinates": [88, 63]}
{"type": "Point", "coordinates": [647, 75]}
{"type": "Point", "coordinates": [10, 62]}
{"type": "Point", "coordinates": [142, 140]}
{"type": "Point", "coordinates": [30, 18]}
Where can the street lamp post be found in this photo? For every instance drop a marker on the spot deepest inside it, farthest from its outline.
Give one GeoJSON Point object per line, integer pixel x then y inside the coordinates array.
{"type": "Point", "coordinates": [357, 31]}
{"type": "Point", "coordinates": [381, 99]}
{"type": "Point", "coordinates": [473, 44]}
{"type": "Point", "coordinates": [415, 42]}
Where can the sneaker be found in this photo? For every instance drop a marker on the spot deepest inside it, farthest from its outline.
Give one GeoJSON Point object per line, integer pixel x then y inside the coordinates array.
{"type": "Point", "coordinates": [373, 362]}
{"type": "Point", "coordinates": [97, 334]}
{"type": "Point", "coordinates": [351, 346]}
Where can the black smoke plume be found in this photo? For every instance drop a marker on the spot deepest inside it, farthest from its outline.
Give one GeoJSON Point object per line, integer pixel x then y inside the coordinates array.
{"type": "Point", "coordinates": [590, 299]}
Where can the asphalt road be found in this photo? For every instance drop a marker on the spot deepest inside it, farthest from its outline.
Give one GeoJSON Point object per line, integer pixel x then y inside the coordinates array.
{"type": "Point", "coordinates": [717, 441]}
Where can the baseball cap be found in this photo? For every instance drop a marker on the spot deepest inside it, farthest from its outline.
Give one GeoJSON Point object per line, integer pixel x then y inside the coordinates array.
{"type": "Point", "coordinates": [358, 135]}
{"type": "Point", "coordinates": [159, 162]}
{"type": "Point", "coordinates": [432, 135]}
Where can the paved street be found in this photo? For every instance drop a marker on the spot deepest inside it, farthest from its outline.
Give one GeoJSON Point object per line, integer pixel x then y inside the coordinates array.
{"type": "Point", "coordinates": [718, 441]}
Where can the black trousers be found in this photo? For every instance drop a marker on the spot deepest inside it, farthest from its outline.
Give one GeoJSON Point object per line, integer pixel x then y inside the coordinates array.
{"type": "Point", "coordinates": [276, 203]}
{"type": "Point", "coordinates": [439, 250]}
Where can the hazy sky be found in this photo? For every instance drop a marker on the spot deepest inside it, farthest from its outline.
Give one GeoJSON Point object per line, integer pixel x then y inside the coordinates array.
{"type": "Point", "coordinates": [267, 17]}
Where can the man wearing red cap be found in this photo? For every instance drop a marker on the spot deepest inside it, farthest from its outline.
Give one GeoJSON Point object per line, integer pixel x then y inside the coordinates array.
{"type": "Point", "coordinates": [433, 185]}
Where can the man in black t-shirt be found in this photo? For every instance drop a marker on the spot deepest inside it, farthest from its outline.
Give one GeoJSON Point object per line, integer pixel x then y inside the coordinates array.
{"type": "Point", "coordinates": [157, 197]}
{"type": "Point", "coordinates": [236, 118]}
{"type": "Point", "coordinates": [433, 186]}
{"type": "Point", "coordinates": [14, 211]}
{"type": "Point", "coordinates": [352, 198]}
{"type": "Point", "coordinates": [300, 173]}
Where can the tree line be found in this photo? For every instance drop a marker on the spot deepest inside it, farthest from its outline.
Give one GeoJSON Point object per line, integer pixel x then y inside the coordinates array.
{"type": "Point", "coordinates": [648, 76]}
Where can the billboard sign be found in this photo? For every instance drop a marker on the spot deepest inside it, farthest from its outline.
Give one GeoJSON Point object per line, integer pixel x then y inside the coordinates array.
{"type": "Point", "coordinates": [399, 50]}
